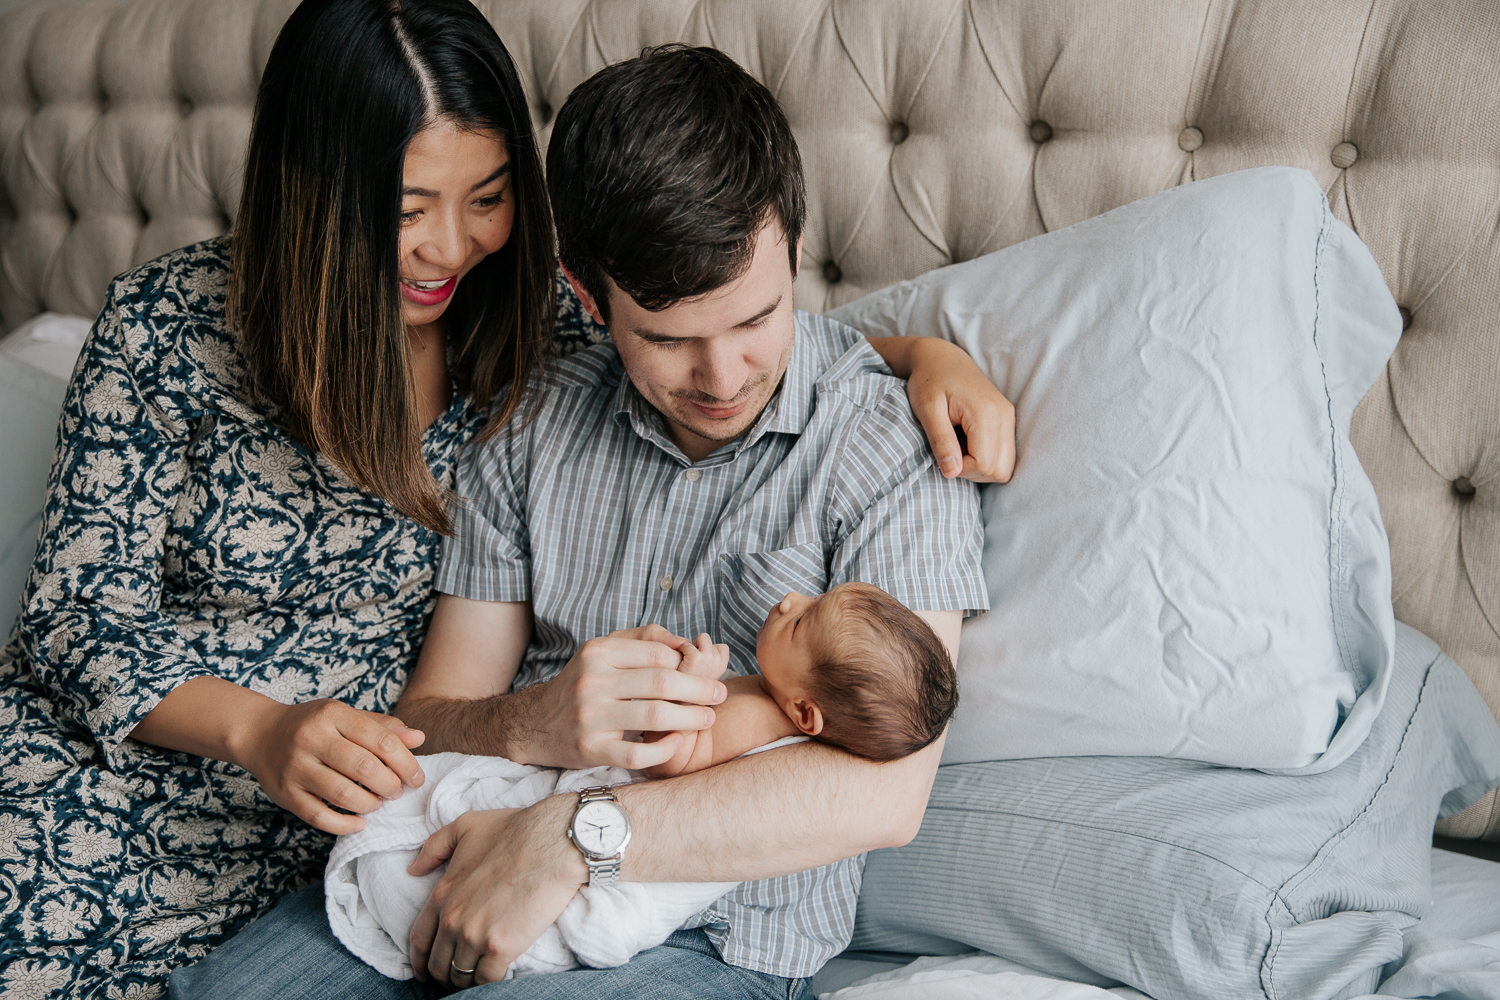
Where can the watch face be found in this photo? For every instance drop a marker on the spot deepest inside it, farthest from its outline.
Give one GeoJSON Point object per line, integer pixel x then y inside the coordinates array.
{"type": "Point", "coordinates": [600, 828]}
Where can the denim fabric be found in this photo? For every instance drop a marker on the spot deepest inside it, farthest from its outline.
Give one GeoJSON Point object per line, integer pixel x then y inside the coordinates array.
{"type": "Point", "coordinates": [290, 954]}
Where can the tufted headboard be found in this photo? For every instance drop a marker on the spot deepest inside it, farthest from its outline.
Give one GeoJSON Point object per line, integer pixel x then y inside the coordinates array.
{"type": "Point", "coordinates": [933, 131]}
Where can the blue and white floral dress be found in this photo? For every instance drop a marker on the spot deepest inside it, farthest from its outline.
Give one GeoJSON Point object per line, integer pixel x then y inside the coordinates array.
{"type": "Point", "coordinates": [185, 534]}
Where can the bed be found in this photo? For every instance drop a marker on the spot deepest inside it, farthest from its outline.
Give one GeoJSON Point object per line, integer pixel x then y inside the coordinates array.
{"type": "Point", "coordinates": [932, 132]}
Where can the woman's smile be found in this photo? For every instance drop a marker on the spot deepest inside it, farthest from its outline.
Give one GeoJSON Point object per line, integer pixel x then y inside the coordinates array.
{"type": "Point", "coordinates": [428, 293]}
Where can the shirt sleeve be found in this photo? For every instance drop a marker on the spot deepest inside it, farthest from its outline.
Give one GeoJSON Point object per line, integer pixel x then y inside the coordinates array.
{"type": "Point", "coordinates": [488, 556]}
{"type": "Point", "coordinates": [898, 524]}
{"type": "Point", "coordinates": [91, 623]}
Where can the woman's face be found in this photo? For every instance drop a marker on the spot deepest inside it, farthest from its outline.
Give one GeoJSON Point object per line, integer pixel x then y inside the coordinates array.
{"type": "Point", "coordinates": [456, 208]}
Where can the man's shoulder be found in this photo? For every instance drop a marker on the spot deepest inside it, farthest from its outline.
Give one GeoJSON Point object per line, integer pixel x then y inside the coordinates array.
{"type": "Point", "coordinates": [850, 373]}
{"type": "Point", "coordinates": [595, 367]}
{"type": "Point", "coordinates": [577, 384]}
{"type": "Point", "coordinates": [837, 351]}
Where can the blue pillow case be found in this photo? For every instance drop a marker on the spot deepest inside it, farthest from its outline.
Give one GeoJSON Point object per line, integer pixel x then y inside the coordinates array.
{"type": "Point", "coordinates": [1187, 880]}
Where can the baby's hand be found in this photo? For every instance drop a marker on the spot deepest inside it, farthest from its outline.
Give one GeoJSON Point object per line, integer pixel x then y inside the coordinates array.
{"type": "Point", "coordinates": [703, 657]}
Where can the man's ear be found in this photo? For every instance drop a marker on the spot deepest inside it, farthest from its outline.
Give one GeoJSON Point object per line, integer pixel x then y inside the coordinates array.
{"type": "Point", "coordinates": [807, 716]}
{"type": "Point", "coordinates": [589, 304]}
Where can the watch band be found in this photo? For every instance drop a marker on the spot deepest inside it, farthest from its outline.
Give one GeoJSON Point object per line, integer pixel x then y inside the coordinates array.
{"type": "Point", "coordinates": [602, 871]}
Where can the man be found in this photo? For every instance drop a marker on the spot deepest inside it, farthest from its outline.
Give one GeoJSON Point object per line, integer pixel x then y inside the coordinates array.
{"type": "Point", "coordinates": [723, 451]}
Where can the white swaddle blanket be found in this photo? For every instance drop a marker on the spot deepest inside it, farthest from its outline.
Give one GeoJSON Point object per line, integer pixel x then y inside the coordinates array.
{"type": "Point", "coordinates": [372, 902]}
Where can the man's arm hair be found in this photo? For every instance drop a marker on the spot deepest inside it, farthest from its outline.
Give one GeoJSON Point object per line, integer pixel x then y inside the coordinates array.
{"type": "Point", "coordinates": [459, 687]}
{"type": "Point", "coordinates": [626, 681]}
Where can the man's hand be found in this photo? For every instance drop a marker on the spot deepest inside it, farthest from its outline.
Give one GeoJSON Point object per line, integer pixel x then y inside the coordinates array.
{"type": "Point", "coordinates": [326, 752]}
{"type": "Point", "coordinates": [628, 680]}
{"type": "Point", "coordinates": [511, 873]}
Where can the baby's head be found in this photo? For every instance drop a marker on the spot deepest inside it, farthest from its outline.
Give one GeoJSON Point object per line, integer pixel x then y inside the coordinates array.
{"type": "Point", "coordinates": [857, 669]}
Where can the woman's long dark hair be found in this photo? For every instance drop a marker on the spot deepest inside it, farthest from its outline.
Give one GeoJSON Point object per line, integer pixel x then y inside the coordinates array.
{"type": "Point", "coordinates": [314, 284]}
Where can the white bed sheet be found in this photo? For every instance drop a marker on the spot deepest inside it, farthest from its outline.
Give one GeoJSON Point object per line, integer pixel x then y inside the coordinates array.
{"type": "Point", "coordinates": [1453, 952]}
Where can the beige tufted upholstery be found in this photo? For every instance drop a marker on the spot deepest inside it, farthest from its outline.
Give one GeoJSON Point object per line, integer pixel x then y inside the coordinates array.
{"type": "Point", "coordinates": [933, 131]}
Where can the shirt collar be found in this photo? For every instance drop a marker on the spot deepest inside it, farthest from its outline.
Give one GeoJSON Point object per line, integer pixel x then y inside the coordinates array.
{"type": "Point", "coordinates": [787, 413]}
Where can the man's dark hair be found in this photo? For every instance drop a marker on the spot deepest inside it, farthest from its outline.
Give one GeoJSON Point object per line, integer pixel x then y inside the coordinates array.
{"type": "Point", "coordinates": [885, 684]}
{"type": "Point", "coordinates": [663, 169]}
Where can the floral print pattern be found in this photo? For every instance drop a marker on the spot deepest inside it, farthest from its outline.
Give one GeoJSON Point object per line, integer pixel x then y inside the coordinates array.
{"type": "Point", "coordinates": [184, 535]}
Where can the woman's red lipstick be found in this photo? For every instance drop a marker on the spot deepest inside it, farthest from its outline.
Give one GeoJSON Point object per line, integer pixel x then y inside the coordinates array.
{"type": "Point", "coordinates": [428, 296]}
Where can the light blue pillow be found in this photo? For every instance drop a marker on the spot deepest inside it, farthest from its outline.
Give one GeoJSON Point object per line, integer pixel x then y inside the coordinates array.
{"type": "Point", "coordinates": [1186, 880]}
{"type": "Point", "coordinates": [1190, 561]}
{"type": "Point", "coordinates": [30, 402]}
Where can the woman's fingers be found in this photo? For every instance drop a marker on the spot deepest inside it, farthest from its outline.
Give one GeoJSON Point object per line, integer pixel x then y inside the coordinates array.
{"type": "Point", "coordinates": [336, 788]}
{"type": "Point", "coordinates": [315, 812]}
{"type": "Point", "coordinates": [384, 763]}
{"type": "Point", "coordinates": [932, 412]}
{"type": "Point", "coordinates": [991, 439]}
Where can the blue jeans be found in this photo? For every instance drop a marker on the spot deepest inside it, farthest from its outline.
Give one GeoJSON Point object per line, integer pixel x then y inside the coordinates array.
{"type": "Point", "coordinates": [290, 953]}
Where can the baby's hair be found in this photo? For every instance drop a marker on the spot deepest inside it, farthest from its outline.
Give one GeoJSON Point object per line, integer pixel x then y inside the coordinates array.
{"type": "Point", "coordinates": [885, 681]}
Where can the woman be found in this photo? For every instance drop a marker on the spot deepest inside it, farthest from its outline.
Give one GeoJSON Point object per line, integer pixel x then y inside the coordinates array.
{"type": "Point", "coordinates": [250, 492]}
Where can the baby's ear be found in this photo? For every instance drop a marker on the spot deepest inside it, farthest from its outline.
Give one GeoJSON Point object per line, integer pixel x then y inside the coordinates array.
{"type": "Point", "coordinates": [808, 716]}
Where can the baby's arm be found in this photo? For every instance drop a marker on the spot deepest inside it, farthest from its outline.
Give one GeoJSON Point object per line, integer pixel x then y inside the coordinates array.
{"type": "Point", "coordinates": [747, 719]}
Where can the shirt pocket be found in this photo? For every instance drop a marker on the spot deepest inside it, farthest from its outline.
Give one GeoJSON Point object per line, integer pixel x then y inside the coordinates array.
{"type": "Point", "coordinates": [751, 583]}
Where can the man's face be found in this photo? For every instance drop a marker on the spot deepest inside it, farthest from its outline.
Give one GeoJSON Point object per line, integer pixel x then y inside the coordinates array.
{"type": "Point", "coordinates": [711, 364]}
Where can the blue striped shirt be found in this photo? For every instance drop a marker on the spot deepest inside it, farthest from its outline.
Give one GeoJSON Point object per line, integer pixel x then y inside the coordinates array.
{"type": "Point", "coordinates": [593, 514]}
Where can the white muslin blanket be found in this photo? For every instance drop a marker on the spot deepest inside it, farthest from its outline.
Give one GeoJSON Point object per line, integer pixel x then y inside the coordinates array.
{"type": "Point", "coordinates": [372, 902]}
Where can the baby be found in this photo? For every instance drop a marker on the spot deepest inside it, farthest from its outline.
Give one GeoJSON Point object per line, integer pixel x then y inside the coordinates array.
{"type": "Point", "coordinates": [853, 668]}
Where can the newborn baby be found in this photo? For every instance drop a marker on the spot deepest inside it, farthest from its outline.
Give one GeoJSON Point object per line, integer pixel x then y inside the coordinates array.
{"type": "Point", "coordinates": [853, 668]}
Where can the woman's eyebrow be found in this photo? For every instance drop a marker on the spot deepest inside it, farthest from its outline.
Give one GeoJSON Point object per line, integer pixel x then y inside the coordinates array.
{"type": "Point", "coordinates": [417, 192]}
{"type": "Point", "coordinates": [491, 178]}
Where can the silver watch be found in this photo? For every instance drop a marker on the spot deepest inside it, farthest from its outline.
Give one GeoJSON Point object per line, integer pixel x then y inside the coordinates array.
{"type": "Point", "coordinates": [600, 829]}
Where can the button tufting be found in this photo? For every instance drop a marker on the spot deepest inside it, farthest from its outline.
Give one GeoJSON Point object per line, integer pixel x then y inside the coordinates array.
{"type": "Point", "coordinates": [544, 112]}
{"type": "Point", "coordinates": [899, 132]}
{"type": "Point", "coordinates": [1463, 487]}
{"type": "Point", "coordinates": [832, 273]}
{"type": "Point", "coordinates": [1344, 155]}
{"type": "Point", "coordinates": [1190, 139]}
{"type": "Point", "coordinates": [185, 107]}
{"type": "Point", "coordinates": [1039, 131]}
{"type": "Point", "coordinates": [1405, 318]}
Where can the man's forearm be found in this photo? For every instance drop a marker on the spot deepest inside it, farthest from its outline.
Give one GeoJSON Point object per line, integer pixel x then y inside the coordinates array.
{"type": "Point", "coordinates": [496, 726]}
{"type": "Point", "coordinates": [774, 813]}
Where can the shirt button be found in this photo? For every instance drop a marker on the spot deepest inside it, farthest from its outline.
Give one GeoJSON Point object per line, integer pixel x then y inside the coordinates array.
{"type": "Point", "coordinates": [665, 583]}
{"type": "Point", "coordinates": [692, 475]}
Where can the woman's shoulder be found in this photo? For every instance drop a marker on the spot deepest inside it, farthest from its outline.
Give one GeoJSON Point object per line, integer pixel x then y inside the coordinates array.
{"type": "Point", "coordinates": [188, 281]}
{"type": "Point", "coordinates": [165, 321]}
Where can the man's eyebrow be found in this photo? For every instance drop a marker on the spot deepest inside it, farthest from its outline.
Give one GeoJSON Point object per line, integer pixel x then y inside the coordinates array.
{"type": "Point", "coordinates": [417, 192]}
{"type": "Point", "coordinates": [653, 337]}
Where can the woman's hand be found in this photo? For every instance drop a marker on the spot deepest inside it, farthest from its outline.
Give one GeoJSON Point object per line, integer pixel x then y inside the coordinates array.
{"type": "Point", "coordinates": [947, 391]}
{"type": "Point", "coordinates": [323, 753]}
{"type": "Point", "coordinates": [302, 755]}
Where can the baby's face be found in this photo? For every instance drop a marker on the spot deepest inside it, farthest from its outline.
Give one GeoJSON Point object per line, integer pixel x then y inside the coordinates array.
{"type": "Point", "coordinates": [791, 638]}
